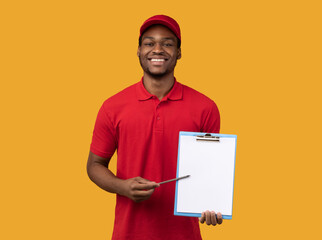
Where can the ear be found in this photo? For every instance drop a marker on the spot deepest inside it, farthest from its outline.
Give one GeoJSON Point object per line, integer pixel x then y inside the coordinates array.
{"type": "Point", "coordinates": [179, 53]}
{"type": "Point", "coordinates": [138, 52]}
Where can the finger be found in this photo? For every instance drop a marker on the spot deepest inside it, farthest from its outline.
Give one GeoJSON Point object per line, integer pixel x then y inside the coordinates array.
{"type": "Point", "coordinates": [213, 218]}
{"type": "Point", "coordinates": [208, 218]}
{"type": "Point", "coordinates": [153, 184]}
{"type": "Point", "coordinates": [202, 218]}
{"type": "Point", "coordinates": [144, 186]}
{"type": "Point", "coordinates": [143, 180]}
{"type": "Point", "coordinates": [143, 193]}
{"type": "Point", "coordinates": [219, 218]}
{"type": "Point", "coordinates": [139, 196]}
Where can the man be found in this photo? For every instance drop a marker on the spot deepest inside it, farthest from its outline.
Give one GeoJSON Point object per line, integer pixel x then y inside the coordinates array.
{"type": "Point", "coordinates": [143, 122]}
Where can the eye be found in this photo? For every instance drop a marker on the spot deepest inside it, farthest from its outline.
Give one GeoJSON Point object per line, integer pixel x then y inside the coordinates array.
{"type": "Point", "coordinates": [168, 44]}
{"type": "Point", "coordinates": [149, 44]}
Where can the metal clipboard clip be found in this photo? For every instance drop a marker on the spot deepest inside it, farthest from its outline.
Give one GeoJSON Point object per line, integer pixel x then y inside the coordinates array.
{"type": "Point", "coordinates": [207, 137]}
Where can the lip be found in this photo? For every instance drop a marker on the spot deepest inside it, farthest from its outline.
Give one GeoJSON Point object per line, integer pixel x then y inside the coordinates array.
{"type": "Point", "coordinates": [157, 58]}
{"type": "Point", "coordinates": [157, 61]}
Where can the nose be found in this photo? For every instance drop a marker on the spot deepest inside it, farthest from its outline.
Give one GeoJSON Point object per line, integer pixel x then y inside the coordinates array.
{"type": "Point", "coordinates": [157, 48]}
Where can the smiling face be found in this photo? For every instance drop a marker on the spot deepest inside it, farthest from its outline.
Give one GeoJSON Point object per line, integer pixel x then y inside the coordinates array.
{"type": "Point", "coordinates": [158, 52]}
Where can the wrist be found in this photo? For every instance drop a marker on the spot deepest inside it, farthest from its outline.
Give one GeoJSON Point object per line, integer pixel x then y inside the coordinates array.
{"type": "Point", "coordinates": [120, 187]}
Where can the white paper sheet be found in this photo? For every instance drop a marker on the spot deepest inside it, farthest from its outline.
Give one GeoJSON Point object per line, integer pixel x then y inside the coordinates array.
{"type": "Point", "coordinates": [211, 166]}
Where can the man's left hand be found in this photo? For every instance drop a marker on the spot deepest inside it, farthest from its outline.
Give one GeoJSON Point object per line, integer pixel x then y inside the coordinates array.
{"type": "Point", "coordinates": [211, 218]}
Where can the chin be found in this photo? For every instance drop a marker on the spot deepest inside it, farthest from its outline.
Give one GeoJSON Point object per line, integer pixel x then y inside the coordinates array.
{"type": "Point", "coordinates": [157, 75]}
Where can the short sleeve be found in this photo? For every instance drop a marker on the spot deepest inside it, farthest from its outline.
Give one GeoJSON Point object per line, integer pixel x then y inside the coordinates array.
{"type": "Point", "coordinates": [104, 139]}
{"type": "Point", "coordinates": [211, 122]}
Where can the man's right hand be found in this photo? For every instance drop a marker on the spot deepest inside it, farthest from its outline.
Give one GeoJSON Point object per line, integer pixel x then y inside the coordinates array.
{"type": "Point", "coordinates": [138, 189]}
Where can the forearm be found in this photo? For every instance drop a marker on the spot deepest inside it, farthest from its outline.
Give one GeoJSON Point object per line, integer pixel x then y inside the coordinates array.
{"type": "Point", "coordinates": [137, 188]}
{"type": "Point", "coordinates": [104, 178]}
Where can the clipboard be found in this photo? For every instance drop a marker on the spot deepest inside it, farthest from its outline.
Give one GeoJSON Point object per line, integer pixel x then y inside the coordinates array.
{"type": "Point", "coordinates": [209, 159]}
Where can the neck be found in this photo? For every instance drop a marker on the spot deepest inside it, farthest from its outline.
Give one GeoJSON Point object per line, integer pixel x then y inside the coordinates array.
{"type": "Point", "coordinates": [158, 86]}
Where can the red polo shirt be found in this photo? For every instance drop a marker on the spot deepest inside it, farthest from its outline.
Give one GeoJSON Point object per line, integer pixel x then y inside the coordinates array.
{"type": "Point", "coordinates": [145, 133]}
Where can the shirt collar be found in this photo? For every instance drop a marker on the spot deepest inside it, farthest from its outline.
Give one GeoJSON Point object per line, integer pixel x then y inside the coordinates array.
{"type": "Point", "coordinates": [174, 94]}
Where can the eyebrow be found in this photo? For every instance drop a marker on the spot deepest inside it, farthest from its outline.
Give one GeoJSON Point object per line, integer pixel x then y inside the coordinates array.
{"type": "Point", "coordinates": [166, 38]}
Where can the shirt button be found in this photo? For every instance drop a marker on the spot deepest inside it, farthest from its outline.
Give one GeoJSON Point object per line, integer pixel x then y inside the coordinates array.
{"type": "Point", "coordinates": [158, 118]}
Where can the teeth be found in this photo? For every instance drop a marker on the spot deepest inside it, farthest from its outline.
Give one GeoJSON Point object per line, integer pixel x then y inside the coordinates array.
{"type": "Point", "coordinates": [157, 60]}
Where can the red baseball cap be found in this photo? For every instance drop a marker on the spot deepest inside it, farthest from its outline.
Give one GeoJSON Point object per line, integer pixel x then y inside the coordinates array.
{"type": "Point", "coordinates": [163, 20]}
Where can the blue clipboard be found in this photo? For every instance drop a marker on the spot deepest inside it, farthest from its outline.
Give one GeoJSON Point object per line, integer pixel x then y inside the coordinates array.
{"type": "Point", "coordinates": [209, 159]}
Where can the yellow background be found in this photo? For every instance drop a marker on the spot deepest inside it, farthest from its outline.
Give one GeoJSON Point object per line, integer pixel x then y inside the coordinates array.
{"type": "Point", "coordinates": [260, 61]}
